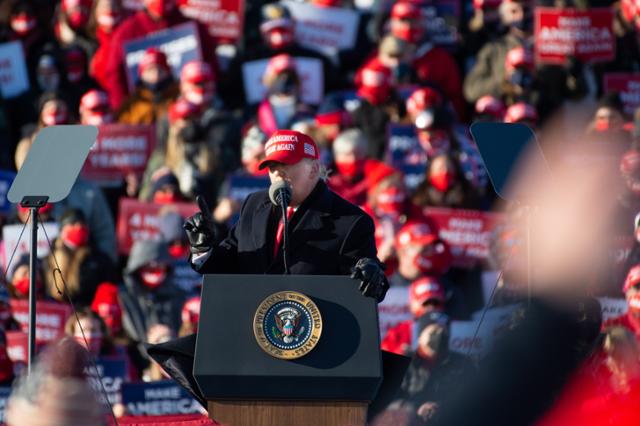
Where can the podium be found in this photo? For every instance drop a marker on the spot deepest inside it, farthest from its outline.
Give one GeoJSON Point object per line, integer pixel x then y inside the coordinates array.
{"type": "Point", "coordinates": [292, 349]}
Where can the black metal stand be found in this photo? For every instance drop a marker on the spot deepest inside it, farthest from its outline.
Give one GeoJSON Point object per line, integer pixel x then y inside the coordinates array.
{"type": "Point", "coordinates": [34, 204]}
{"type": "Point", "coordinates": [285, 235]}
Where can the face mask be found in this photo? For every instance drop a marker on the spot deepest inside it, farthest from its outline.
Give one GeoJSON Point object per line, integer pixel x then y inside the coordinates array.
{"type": "Point", "coordinates": [54, 117]}
{"type": "Point", "coordinates": [153, 277]}
{"type": "Point", "coordinates": [159, 8]}
{"type": "Point", "coordinates": [107, 21]}
{"type": "Point", "coordinates": [178, 251]}
{"type": "Point", "coordinates": [111, 314]}
{"type": "Point", "coordinates": [49, 82]}
{"type": "Point", "coordinates": [77, 19]}
{"type": "Point", "coordinates": [161, 197]}
{"type": "Point", "coordinates": [442, 180]}
{"type": "Point", "coordinates": [22, 286]}
{"type": "Point", "coordinates": [409, 33]}
{"type": "Point", "coordinates": [634, 303]}
{"type": "Point", "coordinates": [198, 97]}
{"type": "Point", "coordinates": [391, 201]}
{"type": "Point", "coordinates": [94, 119]}
{"type": "Point", "coordinates": [22, 24]}
{"type": "Point", "coordinates": [350, 169]}
{"type": "Point", "coordinates": [279, 38]}
{"type": "Point", "coordinates": [75, 236]}
{"type": "Point", "coordinates": [601, 125]}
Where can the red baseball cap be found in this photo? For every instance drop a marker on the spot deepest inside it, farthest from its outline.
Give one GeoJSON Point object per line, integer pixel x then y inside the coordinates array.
{"type": "Point", "coordinates": [490, 105]}
{"type": "Point", "coordinates": [152, 56]}
{"type": "Point", "coordinates": [519, 57]}
{"type": "Point", "coordinates": [633, 278]}
{"type": "Point", "coordinates": [405, 10]}
{"type": "Point", "coordinates": [427, 288]}
{"type": "Point", "coordinates": [289, 147]}
{"type": "Point", "coordinates": [422, 99]}
{"type": "Point", "coordinates": [94, 99]}
{"type": "Point", "coordinates": [415, 233]}
{"type": "Point", "coordinates": [196, 72]}
{"type": "Point", "coordinates": [520, 111]}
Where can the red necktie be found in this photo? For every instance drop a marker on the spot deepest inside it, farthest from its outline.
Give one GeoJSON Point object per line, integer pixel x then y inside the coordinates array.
{"type": "Point", "coordinates": [280, 231]}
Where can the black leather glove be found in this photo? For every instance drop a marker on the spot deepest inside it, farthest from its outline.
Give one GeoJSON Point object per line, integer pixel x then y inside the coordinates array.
{"type": "Point", "coordinates": [373, 282]}
{"type": "Point", "coordinates": [200, 228]}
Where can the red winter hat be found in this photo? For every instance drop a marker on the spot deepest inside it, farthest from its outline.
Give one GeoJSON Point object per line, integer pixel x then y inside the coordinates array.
{"type": "Point", "coordinates": [490, 105]}
{"type": "Point", "coordinates": [520, 111]}
{"type": "Point", "coordinates": [107, 305]}
{"type": "Point", "coordinates": [426, 288]}
{"type": "Point", "coordinates": [519, 57]}
{"type": "Point", "coordinates": [423, 98]}
{"type": "Point", "coordinates": [181, 109]}
{"type": "Point", "coordinates": [405, 10]}
{"type": "Point", "coordinates": [633, 278]}
{"type": "Point", "coordinates": [288, 147]}
{"type": "Point", "coordinates": [94, 99]}
{"type": "Point", "coordinates": [415, 233]}
{"type": "Point", "coordinates": [191, 310]}
{"type": "Point", "coordinates": [196, 72]}
{"type": "Point", "coordinates": [376, 171]}
{"type": "Point", "coordinates": [152, 56]}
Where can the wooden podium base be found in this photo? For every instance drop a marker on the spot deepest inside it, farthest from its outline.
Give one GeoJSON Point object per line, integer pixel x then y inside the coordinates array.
{"type": "Point", "coordinates": [276, 413]}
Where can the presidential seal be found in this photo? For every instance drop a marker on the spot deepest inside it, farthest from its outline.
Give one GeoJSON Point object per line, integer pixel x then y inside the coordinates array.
{"type": "Point", "coordinates": [287, 325]}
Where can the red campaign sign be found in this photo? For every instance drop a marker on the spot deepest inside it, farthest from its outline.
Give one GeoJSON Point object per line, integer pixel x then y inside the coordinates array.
{"type": "Point", "coordinates": [587, 35]}
{"type": "Point", "coordinates": [138, 220]}
{"type": "Point", "coordinates": [18, 346]}
{"type": "Point", "coordinates": [50, 318]}
{"type": "Point", "coordinates": [223, 18]}
{"type": "Point", "coordinates": [120, 149]}
{"type": "Point", "coordinates": [468, 232]}
{"type": "Point", "coordinates": [628, 86]}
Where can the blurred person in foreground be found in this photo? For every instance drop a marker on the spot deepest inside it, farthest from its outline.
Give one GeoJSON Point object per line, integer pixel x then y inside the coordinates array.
{"type": "Point", "coordinates": [57, 391]}
{"type": "Point", "coordinates": [435, 371]}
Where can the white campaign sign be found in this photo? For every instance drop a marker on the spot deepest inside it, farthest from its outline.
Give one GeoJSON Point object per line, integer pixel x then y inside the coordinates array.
{"type": "Point", "coordinates": [11, 233]}
{"type": "Point", "coordinates": [611, 307]}
{"type": "Point", "coordinates": [393, 309]}
{"type": "Point", "coordinates": [324, 29]}
{"type": "Point", "coordinates": [13, 71]}
{"type": "Point", "coordinates": [309, 70]}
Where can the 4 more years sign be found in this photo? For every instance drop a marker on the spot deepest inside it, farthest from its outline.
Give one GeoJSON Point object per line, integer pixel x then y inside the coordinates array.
{"type": "Point", "coordinates": [50, 318]}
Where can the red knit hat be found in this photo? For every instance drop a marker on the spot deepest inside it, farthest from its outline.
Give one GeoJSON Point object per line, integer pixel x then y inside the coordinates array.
{"type": "Point", "coordinates": [107, 305]}
{"type": "Point", "coordinates": [152, 56]}
{"type": "Point", "coordinates": [427, 288]}
{"type": "Point", "coordinates": [289, 147]}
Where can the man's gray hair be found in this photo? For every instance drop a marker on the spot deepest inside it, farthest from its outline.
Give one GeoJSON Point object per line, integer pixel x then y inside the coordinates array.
{"type": "Point", "coordinates": [351, 140]}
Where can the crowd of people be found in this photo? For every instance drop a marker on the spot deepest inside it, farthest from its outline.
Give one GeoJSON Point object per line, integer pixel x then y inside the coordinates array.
{"type": "Point", "coordinates": [209, 131]}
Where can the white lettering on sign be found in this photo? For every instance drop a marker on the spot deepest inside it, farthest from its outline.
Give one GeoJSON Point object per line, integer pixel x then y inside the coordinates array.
{"type": "Point", "coordinates": [132, 143]}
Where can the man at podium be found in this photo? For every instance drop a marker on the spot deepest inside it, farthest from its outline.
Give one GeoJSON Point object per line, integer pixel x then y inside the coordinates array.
{"type": "Point", "coordinates": [327, 234]}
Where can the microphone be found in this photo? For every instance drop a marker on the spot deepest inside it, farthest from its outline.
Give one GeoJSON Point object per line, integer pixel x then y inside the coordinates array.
{"type": "Point", "coordinates": [280, 193]}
